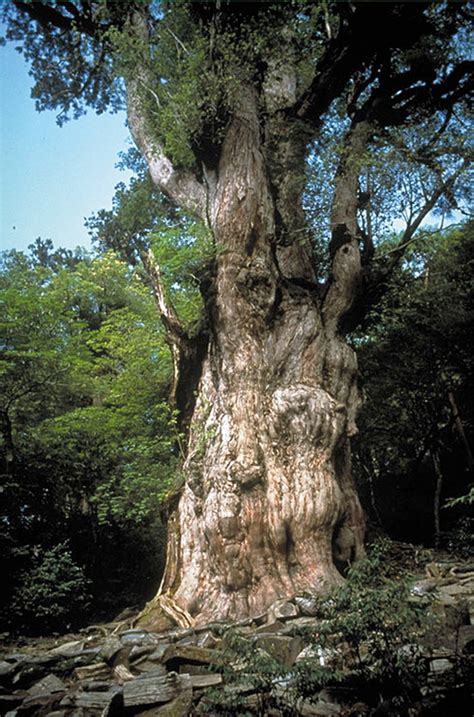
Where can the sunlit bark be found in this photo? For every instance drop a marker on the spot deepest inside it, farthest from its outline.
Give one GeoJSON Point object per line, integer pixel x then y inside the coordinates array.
{"type": "Point", "coordinates": [268, 501]}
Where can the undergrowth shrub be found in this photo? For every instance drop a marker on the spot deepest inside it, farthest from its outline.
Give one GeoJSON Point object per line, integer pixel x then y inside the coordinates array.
{"type": "Point", "coordinates": [52, 594]}
{"type": "Point", "coordinates": [363, 642]}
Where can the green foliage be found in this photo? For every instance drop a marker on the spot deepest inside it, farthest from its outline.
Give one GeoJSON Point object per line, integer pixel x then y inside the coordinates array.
{"type": "Point", "coordinates": [196, 60]}
{"type": "Point", "coordinates": [467, 499]}
{"type": "Point", "coordinates": [185, 252]}
{"type": "Point", "coordinates": [88, 442]}
{"type": "Point", "coordinates": [183, 248]}
{"type": "Point", "coordinates": [52, 593]}
{"type": "Point", "coordinates": [84, 77]}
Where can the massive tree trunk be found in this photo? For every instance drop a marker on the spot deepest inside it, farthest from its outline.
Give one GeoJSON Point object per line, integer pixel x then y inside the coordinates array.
{"type": "Point", "coordinates": [268, 504]}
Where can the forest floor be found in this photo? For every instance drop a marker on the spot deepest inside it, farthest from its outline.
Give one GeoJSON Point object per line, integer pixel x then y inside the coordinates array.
{"type": "Point", "coordinates": [284, 663]}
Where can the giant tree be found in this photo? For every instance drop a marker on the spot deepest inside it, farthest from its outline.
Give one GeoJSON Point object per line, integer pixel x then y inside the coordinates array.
{"type": "Point", "coordinates": [224, 101]}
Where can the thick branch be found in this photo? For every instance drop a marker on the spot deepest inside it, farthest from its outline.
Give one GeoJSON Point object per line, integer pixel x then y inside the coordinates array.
{"type": "Point", "coordinates": [352, 49]}
{"type": "Point", "coordinates": [400, 97]}
{"type": "Point", "coordinates": [181, 186]}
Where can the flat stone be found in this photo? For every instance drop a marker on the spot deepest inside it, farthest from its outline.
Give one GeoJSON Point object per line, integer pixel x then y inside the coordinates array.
{"type": "Point", "coordinates": [137, 637]}
{"type": "Point", "coordinates": [179, 707]}
{"type": "Point", "coordinates": [42, 701]}
{"type": "Point", "coordinates": [269, 627]}
{"type": "Point", "coordinates": [68, 649]}
{"type": "Point", "coordinates": [47, 685]}
{"type": "Point", "coordinates": [329, 657]}
{"type": "Point", "coordinates": [189, 639]}
{"type": "Point", "coordinates": [471, 611]}
{"type": "Point", "coordinates": [455, 590]}
{"type": "Point", "coordinates": [86, 658]}
{"type": "Point", "coordinates": [109, 648]}
{"type": "Point", "coordinates": [8, 701]}
{"type": "Point", "coordinates": [190, 653]}
{"type": "Point", "coordinates": [318, 709]}
{"type": "Point", "coordinates": [96, 686]}
{"type": "Point", "coordinates": [422, 588]}
{"type": "Point", "coordinates": [310, 652]}
{"type": "Point", "coordinates": [17, 657]}
{"type": "Point", "coordinates": [438, 665]}
{"type": "Point", "coordinates": [460, 569]}
{"type": "Point", "coordinates": [151, 691]}
{"type": "Point", "coordinates": [146, 666]}
{"type": "Point", "coordinates": [28, 673]}
{"type": "Point", "coordinates": [122, 674]}
{"type": "Point", "coordinates": [208, 640]}
{"type": "Point", "coordinates": [299, 624]}
{"type": "Point", "coordinates": [98, 700]}
{"type": "Point", "coordinates": [137, 652]}
{"type": "Point", "coordinates": [465, 639]}
{"type": "Point", "coordinates": [155, 671]}
{"type": "Point", "coordinates": [307, 605]}
{"type": "Point", "coordinates": [126, 614]}
{"type": "Point", "coordinates": [100, 669]}
{"type": "Point", "coordinates": [446, 600]}
{"type": "Point", "coordinates": [159, 652]}
{"type": "Point", "coordinates": [203, 681]}
{"type": "Point", "coordinates": [7, 669]}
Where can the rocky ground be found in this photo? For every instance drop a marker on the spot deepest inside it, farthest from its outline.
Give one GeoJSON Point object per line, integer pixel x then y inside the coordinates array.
{"type": "Point", "coordinates": [117, 670]}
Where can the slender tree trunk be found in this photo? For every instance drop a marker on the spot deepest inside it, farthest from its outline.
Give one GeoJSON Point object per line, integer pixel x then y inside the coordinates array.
{"type": "Point", "coordinates": [269, 501]}
{"type": "Point", "coordinates": [9, 447]}
{"type": "Point", "coordinates": [437, 496]}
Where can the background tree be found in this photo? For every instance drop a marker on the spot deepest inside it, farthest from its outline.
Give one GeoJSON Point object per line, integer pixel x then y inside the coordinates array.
{"type": "Point", "coordinates": [224, 99]}
{"type": "Point", "coordinates": [416, 357]}
{"type": "Point", "coordinates": [88, 442]}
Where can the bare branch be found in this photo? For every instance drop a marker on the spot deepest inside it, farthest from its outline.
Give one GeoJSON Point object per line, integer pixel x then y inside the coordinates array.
{"type": "Point", "coordinates": [408, 235]}
{"type": "Point", "coordinates": [178, 41]}
{"type": "Point", "coordinates": [166, 310]}
{"type": "Point", "coordinates": [176, 336]}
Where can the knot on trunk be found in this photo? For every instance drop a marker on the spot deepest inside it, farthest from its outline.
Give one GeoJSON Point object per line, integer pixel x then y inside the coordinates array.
{"type": "Point", "coordinates": [308, 413]}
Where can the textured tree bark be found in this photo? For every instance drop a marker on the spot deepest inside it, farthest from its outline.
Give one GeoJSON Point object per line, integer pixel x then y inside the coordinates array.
{"type": "Point", "coordinates": [268, 503]}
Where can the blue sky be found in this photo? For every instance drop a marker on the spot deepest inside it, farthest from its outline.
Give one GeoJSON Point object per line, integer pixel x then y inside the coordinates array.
{"type": "Point", "coordinates": [51, 177]}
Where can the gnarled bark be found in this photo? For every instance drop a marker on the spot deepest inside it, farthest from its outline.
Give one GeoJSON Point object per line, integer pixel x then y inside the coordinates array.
{"type": "Point", "coordinates": [269, 490]}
